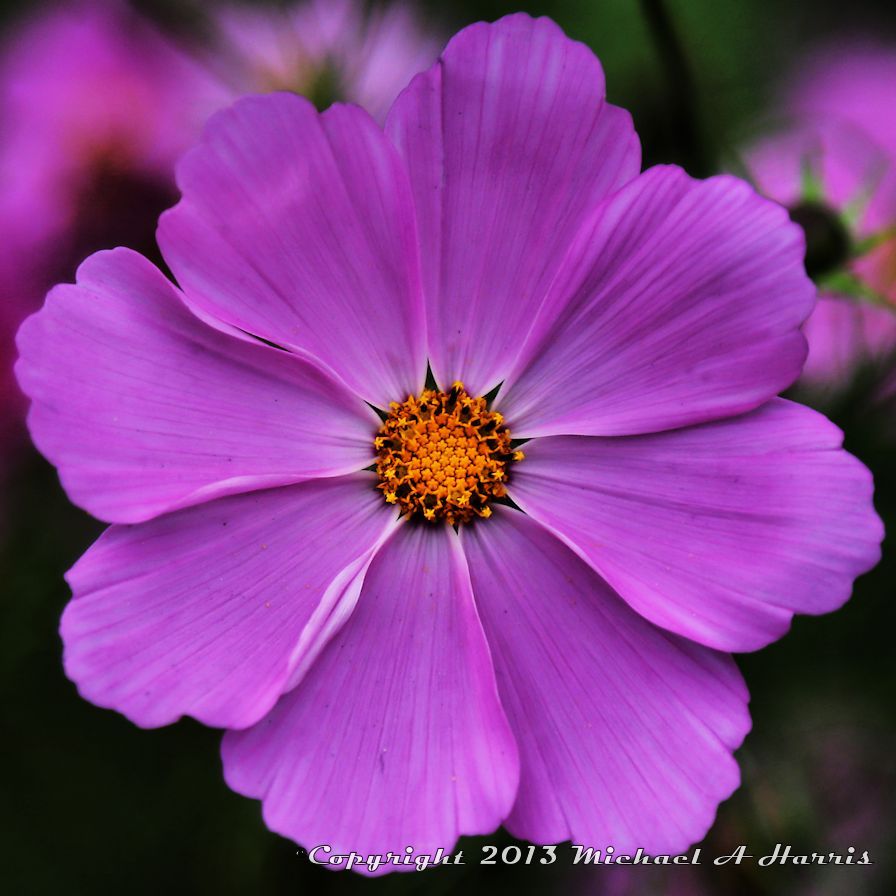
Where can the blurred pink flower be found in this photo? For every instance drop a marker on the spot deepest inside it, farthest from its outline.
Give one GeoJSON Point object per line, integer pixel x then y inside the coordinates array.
{"type": "Point", "coordinates": [89, 94]}
{"type": "Point", "coordinates": [834, 167]}
{"type": "Point", "coordinates": [324, 49]}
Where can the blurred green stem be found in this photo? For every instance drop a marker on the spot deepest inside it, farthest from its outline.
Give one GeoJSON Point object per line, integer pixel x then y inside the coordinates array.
{"type": "Point", "coordinates": [682, 98]}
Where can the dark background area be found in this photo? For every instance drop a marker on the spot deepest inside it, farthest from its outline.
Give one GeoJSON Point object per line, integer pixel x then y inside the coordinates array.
{"type": "Point", "coordinates": [92, 804]}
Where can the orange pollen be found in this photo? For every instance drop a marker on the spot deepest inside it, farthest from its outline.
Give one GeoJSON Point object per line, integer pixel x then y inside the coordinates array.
{"type": "Point", "coordinates": [444, 456]}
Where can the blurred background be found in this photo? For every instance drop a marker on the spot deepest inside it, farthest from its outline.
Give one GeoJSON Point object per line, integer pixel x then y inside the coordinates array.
{"type": "Point", "coordinates": [91, 804]}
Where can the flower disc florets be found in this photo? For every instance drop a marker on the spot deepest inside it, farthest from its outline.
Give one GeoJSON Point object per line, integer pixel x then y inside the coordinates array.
{"type": "Point", "coordinates": [828, 240]}
{"type": "Point", "coordinates": [444, 456]}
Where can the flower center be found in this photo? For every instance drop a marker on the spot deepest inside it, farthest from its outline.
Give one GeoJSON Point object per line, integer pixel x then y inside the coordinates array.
{"type": "Point", "coordinates": [444, 456]}
{"type": "Point", "coordinates": [827, 239]}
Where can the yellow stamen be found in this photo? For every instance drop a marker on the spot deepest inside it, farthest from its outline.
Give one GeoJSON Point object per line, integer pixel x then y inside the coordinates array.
{"type": "Point", "coordinates": [444, 456]}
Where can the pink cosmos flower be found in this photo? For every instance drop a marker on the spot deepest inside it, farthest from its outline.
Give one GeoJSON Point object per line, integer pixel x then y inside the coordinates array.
{"type": "Point", "coordinates": [282, 560]}
{"type": "Point", "coordinates": [835, 168]}
{"type": "Point", "coordinates": [326, 50]}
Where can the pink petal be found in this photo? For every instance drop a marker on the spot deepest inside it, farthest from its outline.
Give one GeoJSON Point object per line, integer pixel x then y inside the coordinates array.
{"type": "Point", "coordinates": [844, 333]}
{"type": "Point", "coordinates": [719, 532]}
{"type": "Point", "coordinates": [681, 302]}
{"type": "Point", "coordinates": [395, 737]}
{"type": "Point", "coordinates": [299, 228]}
{"type": "Point", "coordinates": [144, 408]}
{"type": "Point", "coordinates": [853, 80]}
{"type": "Point", "coordinates": [625, 732]}
{"type": "Point", "coordinates": [509, 144]}
{"type": "Point", "coordinates": [208, 611]}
